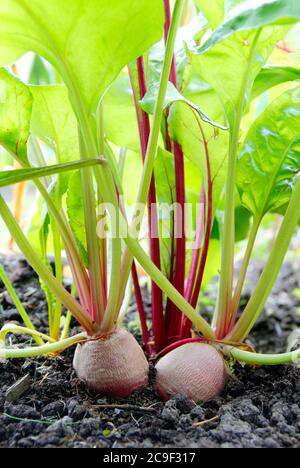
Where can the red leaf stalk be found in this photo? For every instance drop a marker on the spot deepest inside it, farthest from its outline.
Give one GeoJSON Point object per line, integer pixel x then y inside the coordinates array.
{"type": "Point", "coordinates": [144, 132]}
{"type": "Point", "coordinates": [186, 323]}
{"type": "Point", "coordinates": [141, 309]}
{"type": "Point", "coordinates": [174, 315]}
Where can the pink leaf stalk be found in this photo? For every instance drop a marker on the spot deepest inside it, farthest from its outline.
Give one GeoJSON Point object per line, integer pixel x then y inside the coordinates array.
{"type": "Point", "coordinates": [141, 309]}
{"type": "Point", "coordinates": [209, 219]}
{"type": "Point", "coordinates": [174, 321]}
{"type": "Point", "coordinates": [158, 325]}
{"type": "Point", "coordinates": [186, 323]}
{"type": "Point", "coordinates": [197, 248]}
{"type": "Point", "coordinates": [82, 284]}
{"type": "Point", "coordinates": [174, 315]}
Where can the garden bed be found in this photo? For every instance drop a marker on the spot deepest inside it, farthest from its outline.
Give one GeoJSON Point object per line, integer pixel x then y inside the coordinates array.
{"type": "Point", "coordinates": [259, 408]}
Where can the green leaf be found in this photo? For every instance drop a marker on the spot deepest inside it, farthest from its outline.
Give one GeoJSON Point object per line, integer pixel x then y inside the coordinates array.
{"type": "Point", "coordinates": [273, 75]}
{"type": "Point", "coordinates": [75, 211]}
{"type": "Point", "coordinates": [213, 263]}
{"type": "Point", "coordinates": [253, 15]}
{"type": "Point", "coordinates": [216, 10]}
{"type": "Point", "coordinates": [192, 135]}
{"type": "Point", "coordinates": [212, 10]}
{"type": "Point", "coordinates": [230, 4]}
{"type": "Point", "coordinates": [89, 42]}
{"type": "Point", "coordinates": [269, 164]}
{"type": "Point", "coordinates": [242, 223]}
{"type": "Point", "coordinates": [21, 175]}
{"type": "Point", "coordinates": [54, 122]}
{"type": "Point", "coordinates": [205, 97]}
{"type": "Point", "coordinates": [242, 45]}
{"type": "Point", "coordinates": [172, 96]}
{"type": "Point", "coordinates": [15, 113]}
{"type": "Point", "coordinates": [120, 122]}
{"type": "Point", "coordinates": [242, 56]}
{"type": "Point", "coordinates": [38, 233]}
{"type": "Point", "coordinates": [39, 73]}
{"type": "Point", "coordinates": [155, 58]}
{"type": "Point", "coordinates": [44, 232]}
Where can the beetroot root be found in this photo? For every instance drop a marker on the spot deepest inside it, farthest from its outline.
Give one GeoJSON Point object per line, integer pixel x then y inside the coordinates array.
{"type": "Point", "coordinates": [112, 366]}
{"type": "Point", "coordinates": [195, 370]}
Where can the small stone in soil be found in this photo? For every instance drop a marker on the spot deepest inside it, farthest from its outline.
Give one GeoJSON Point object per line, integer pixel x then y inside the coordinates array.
{"type": "Point", "coordinates": [170, 414]}
{"type": "Point", "coordinates": [54, 409]}
{"type": "Point", "coordinates": [76, 411]}
{"type": "Point", "coordinates": [11, 315]}
{"type": "Point", "coordinates": [18, 389]}
{"type": "Point", "coordinates": [183, 404]}
{"type": "Point", "coordinates": [198, 413]}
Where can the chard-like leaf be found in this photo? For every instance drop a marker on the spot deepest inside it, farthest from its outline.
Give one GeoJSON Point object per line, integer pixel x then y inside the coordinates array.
{"type": "Point", "coordinates": [241, 57]}
{"type": "Point", "coordinates": [173, 96]}
{"type": "Point", "coordinates": [242, 226]}
{"type": "Point", "coordinates": [120, 123]}
{"type": "Point", "coordinates": [213, 11]}
{"type": "Point", "coordinates": [273, 75]}
{"type": "Point", "coordinates": [201, 143]}
{"type": "Point", "coordinates": [38, 230]}
{"type": "Point", "coordinates": [21, 175]}
{"type": "Point", "coordinates": [252, 15]}
{"type": "Point", "coordinates": [212, 266]}
{"type": "Point", "coordinates": [54, 122]}
{"type": "Point", "coordinates": [216, 10]}
{"type": "Point", "coordinates": [15, 113]}
{"type": "Point", "coordinates": [269, 164]}
{"type": "Point", "coordinates": [39, 72]}
{"type": "Point", "coordinates": [230, 4]}
{"type": "Point", "coordinates": [89, 42]}
{"type": "Point", "coordinates": [75, 213]}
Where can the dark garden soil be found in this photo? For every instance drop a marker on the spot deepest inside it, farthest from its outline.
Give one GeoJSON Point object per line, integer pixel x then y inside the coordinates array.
{"type": "Point", "coordinates": [259, 408]}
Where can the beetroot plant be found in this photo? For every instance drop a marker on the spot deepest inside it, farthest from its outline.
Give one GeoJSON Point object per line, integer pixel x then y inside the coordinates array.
{"type": "Point", "coordinates": [180, 111]}
{"type": "Point", "coordinates": [69, 118]}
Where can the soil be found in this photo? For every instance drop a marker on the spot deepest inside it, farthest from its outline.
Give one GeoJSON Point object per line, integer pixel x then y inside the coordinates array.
{"type": "Point", "coordinates": [260, 407]}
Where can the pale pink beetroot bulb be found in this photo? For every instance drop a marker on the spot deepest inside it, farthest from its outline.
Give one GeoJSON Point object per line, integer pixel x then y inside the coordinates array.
{"type": "Point", "coordinates": [195, 370]}
{"type": "Point", "coordinates": [114, 365]}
